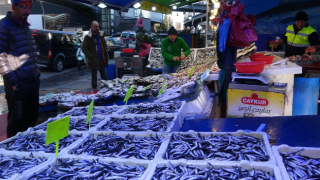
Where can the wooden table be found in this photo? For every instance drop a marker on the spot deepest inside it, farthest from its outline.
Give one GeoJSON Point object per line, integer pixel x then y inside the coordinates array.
{"type": "Point", "coordinates": [137, 62]}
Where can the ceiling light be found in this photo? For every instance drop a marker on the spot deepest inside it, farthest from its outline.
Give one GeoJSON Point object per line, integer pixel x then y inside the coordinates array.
{"type": "Point", "coordinates": [190, 17]}
{"type": "Point", "coordinates": [101, 5]}
{"type": "Point", "coordinates": [137, 5]}
{"type": "Point", "coordinates": [154, 8]}
{"type": "Point", "coordinates": [174, 7]}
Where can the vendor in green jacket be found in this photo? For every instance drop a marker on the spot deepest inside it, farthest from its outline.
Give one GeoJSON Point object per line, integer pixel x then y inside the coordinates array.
{"type": "Point", "coordinates": [171, 51]}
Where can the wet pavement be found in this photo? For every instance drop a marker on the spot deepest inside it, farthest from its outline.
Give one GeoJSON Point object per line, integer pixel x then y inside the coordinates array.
{"type": "Point", "coordinates": [70, 79]}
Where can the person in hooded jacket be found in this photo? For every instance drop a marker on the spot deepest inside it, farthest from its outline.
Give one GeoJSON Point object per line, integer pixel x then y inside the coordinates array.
{"type": "Point", "coordinates": [19, 69]}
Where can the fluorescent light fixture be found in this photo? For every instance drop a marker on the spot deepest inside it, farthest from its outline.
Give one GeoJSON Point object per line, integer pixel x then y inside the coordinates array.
{"type": "Point", "coordinates": [174, 7]}
{"type": "Point", "coordinates": [154, 8]}
{"type": "Point", "coordinates": [216, 5]}
{"type": "Point", "coordinates": [102, 5]}
{"type": "Point", "coordinates": [137, 5]}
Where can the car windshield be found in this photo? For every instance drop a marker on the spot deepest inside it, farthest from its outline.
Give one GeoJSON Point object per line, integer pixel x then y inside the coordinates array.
{"type": "Point", "coordinates": [127, 35]}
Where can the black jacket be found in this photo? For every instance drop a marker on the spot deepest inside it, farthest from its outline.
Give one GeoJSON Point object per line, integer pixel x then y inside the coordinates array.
{"type": "Point", "coordinates": [17, 40]}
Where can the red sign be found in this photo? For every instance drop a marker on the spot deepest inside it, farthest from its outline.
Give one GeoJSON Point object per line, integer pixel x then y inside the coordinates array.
{"type": "Point", "coordinates": [255, 100]}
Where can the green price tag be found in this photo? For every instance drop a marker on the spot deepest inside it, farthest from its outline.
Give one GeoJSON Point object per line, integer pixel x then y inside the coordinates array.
{"type": "Point", "coordinates": [161, 90]}
{"type": "Point", "coordinates": [89, 113]}
{"type": "Point", "coordinates": [57, 130]}
{"type": "Point", "coordinates": [148, 87]}
{"type": "Point", "coordinates": [48, 96]}
{"type": "Point", "coordinates": [204, 75]}
{"type": "Point", "coordinates": [128, 95]}
{"type": "Point", "coordinates": [191, 71]}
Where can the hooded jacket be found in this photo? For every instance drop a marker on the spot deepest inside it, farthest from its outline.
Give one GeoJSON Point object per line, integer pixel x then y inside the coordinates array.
{"type": "Point", "coordinates": [18, 61]}
{"type": "Point", "coordinates": [89, 48]}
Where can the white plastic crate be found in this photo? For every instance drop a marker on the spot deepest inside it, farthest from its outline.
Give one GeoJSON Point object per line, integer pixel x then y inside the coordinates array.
{"type": "Point", "coordinates": [173, 126]}
{"type": "Point", "coordinates": [121, 134]}
{"type": "Point", "coordinates": [77, 118]}
{"type": "Point", "coordinates": [259, 135]}
{"type": "Point", "coordinates": [308, 151]}
{"type": "Point", "coordinates": [44, 167]}
{"type": "Point", "coordinates": [272, 169]}
{"type": "Point", "coordinates": [62, 151]}
{"type": "Point", "coordinates": [26, 154]}
{"type": "Point", "coordinates": [95, 107]}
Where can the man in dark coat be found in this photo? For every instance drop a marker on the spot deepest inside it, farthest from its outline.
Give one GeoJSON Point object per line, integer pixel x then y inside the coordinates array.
{"type": "Point", "coordinates": [19, 69]}
{"type": "Point", "coordinates": [95, 48]}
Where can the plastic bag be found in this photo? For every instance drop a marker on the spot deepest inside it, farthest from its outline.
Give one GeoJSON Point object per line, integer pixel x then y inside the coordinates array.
{"type": "Point", "coordinates": [242, 32]}
{"type": "Point", "coordinates": [144, 49]}
{"type": "Point", "coordinates": [223, 34]}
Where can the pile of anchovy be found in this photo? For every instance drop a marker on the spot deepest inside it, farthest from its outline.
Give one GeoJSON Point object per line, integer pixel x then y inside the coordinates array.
{"type": "Point", "coordinates": [81, 124]}
{"type": "Point", "coordinates": [37, 142]}
{"type": "Point", "coordinates": [209, 173]}
{"type": "Point", "coordinates": [301, 167]}
{"type": "Point", "coordinates": [218, 148]}
{"type": "Point", "coordinates": [96, 111]}
{"type": "Point", "coordinates": [116, 146]}
{"type": "Point", "coordinates": [158, 124]}
{"type": "Point", "coordinates": [89, 169]}
{"type": "Point", "coordinates": [77, 124]}
{"type": "Point", "coordinates": [11, 165]}
{"type": "Point", "coordinates": [171, 107]}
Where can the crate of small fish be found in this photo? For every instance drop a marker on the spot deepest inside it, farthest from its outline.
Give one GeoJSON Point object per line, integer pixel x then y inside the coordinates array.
{"type": "Point", "coordinates": [15, 164]}
{"type": "Point", "coordinates": [76, 124]}
{"type": "Point", "coordinates": [154, 123]}
{"type": "Point", "coordinates": [206, 170]}
{"type": "Point", "coordinates": [97, 111]}
{"type": "Point", "coordinates": [33, 141]}
{"type": "Point", "coordinates": [153, 108]}
{"type": "Point", "coordinates": [120, 145]}
{"type": "Point", "coordinates": [81, 168]}
{"type": "Point", "coordinates": [218, 146]}
{"type": "Point", "coordinates": [298, 162]}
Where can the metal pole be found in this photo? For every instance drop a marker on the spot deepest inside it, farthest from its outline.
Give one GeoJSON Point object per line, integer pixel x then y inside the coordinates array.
{"type": "Point", "coordinates": [207, 24]}
{"type": "Point", "coordinates": [44, 16]}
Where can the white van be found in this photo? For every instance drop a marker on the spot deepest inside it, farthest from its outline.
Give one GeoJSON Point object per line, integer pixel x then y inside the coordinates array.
{"type": "Point", "coordinates": [129, 34]}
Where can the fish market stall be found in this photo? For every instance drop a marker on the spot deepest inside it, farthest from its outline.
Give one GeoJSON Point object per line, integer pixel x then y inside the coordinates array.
{"type": "Point", "coordinates": [265, 92]}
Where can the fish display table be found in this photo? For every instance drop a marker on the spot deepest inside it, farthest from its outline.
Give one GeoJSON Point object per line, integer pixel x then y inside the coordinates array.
{"type": "Point", "coordinates": [303, 131]}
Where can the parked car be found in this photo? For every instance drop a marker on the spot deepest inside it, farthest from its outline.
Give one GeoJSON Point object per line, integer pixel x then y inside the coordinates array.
{"type": "Point", "coordinates": [116, 36]}
{"type": "Point", "coordinates": [113, 45]}
{"type": "Point", "coordinates": [129, 34]}
{"type": "Point", "coordinates": [55, 49]}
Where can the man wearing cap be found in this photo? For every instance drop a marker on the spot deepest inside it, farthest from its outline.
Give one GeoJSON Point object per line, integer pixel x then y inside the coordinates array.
{"type": "Point", "coordinates": [171, 51]}
{"type": "Point", "coordinates": [19, 69]}
{"type": "Point", "coordinates": [300, 37]}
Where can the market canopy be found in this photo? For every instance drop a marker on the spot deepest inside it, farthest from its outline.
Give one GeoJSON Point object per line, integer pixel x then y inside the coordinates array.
{"type": "Point", "coordinates": [162, 6]}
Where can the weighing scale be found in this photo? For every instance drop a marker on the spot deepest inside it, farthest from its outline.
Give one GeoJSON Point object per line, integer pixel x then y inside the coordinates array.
{"type": "Point", "coordinates": [255, 95]}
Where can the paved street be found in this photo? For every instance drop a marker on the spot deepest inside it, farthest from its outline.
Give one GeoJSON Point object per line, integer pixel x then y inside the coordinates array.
{"type": "Point", "coordinates": [70, 79]}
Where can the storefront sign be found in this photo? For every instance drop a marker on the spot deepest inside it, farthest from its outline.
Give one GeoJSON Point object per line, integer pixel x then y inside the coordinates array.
{"type": "Point", "coordinates": [247, 103]}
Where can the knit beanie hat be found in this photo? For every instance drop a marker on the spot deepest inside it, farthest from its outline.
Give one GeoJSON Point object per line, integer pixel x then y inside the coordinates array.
{"type": "Point", "coordinates": [20, 3]}
{"type": "Point", "coordinates": [301, 16]}
{"type": "Point", "coordinates": [172, 30]}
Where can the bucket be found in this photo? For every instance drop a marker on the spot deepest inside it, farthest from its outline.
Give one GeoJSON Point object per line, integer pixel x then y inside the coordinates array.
{"type": "Point", "coordinates": [111, 70]}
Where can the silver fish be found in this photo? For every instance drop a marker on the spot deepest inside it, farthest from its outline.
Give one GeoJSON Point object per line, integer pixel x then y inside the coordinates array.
{"type": "Point", "coordinates": [120, 147]}
{"type": "Point", "coordinates": [157, 124]}
{"type": "Point", "coordinates": [218, 148]}
{"type": "Point", "coordinates": [209, 173]}
{"type": "Point", "coordinates": [301, 167]}
{"type": "Point", "coordinates": [170, 107]}
{"type": "Point", "coordinates": [89, 169]}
